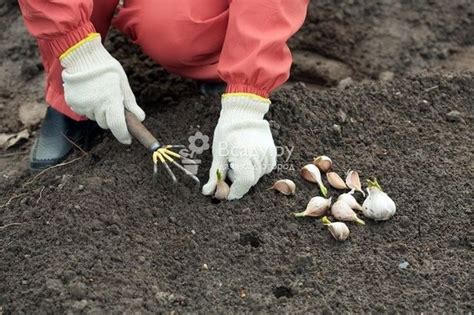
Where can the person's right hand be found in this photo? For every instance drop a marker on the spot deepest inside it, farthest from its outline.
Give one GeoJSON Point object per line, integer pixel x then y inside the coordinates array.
{"type": "Point", "coordinates": [95, 85]}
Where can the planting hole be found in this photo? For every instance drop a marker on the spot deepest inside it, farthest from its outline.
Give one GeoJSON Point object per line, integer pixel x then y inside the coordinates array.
{"type": "Point", "coordinates": [283, 292]}
{"type": "Point", "coordinates": [215, 201]}
{"type": "Point", "coordinates": [249, 239]}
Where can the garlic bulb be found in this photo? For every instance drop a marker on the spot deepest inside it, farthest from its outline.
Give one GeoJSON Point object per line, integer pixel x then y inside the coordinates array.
{"type": "Point", "coordinates": [350, 200]}
{"type": "Point", "coordinates": [316, 207]}
{"type": "Point", "coordinates": [312, 174]}
{"type": "Point", "coordinates": [323, 162]}
{"type": "Point", "coordinates": [222, 189]}
{"type": "Point", "coordinates": [335, 180]}
{"type": "Point", "coordinates": [285, 186]}
{"type": "Point", "coordinates": [341, 211]}
{"type": "Point", "coordinates": [339, 230]}
{"type": "Point", "coordinates": [378, 205]}
{"type": "Point", "coordinates": [353, 182]}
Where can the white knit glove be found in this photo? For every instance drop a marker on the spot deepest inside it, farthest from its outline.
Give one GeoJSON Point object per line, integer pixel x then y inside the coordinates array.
{"type": "Point", "coordinates": [95, 85]}
{"type": "Point", "coordinates": [243, 146]}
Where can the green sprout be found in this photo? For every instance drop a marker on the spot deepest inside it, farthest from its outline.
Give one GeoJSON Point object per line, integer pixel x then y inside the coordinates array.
{"type": "Point", "coordinates": [323, 189]}
{"type": "Point", "coordinates": [374, 184]}
{"type": "Point", "coordinates": [219, 175]}
{"type": "Point", "coordinates": [325, 220]}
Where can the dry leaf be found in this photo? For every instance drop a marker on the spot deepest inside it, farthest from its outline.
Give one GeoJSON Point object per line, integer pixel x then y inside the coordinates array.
{"type": "Point", "coordinates": [9, 140]}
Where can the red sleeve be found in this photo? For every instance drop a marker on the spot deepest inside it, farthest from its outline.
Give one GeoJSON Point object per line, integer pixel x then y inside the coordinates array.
{"type": "Point", "coordinates": [255, 57]}
{"type": "Point", "coordinates": [58, 24]}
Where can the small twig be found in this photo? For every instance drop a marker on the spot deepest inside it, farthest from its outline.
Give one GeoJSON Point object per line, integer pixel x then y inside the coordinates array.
{"type": "Point", "coordinates": [41, 192]}
{"type": "Point", "coordinates": [75, 145]}
{"type": "Point", "coordinates": [84, 153]}
{"type": "Point", "coordinates": [11, 199]}
{"type": "Point", "coordinates": [431, 89]}
{"type": "Point", "coordinates": [7, 155]}
{"type": "Point", "coordinates": [49, 168]}
{"type": "Point", "coordinates": [11, 224]}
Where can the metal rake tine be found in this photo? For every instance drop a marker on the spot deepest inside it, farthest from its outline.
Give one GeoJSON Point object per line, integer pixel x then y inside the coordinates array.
{"type": "Point", "coordinates": [174, 146]}
{"type": "Point", "coordinates": [188, 173]}
{"type": "Point", "coordinates": [162, 159]}
{"type": "Point", "coordinates": [169, 152]}
{"type": "Point", "coordinates": [166, 156]}
{"type": "Point", "coordinates": [171, 174]}
{"type": "Point", "coordinates": [155, 173]}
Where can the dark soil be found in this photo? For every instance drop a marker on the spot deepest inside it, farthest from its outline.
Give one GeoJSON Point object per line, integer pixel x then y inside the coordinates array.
{"type": "Point", "coordinates": [95, 236]}
{"type": "Point", "coordinates": [392, 35]}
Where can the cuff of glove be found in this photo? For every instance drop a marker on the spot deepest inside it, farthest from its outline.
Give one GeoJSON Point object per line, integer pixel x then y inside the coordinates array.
{"type": "Point", "coordinates": [85, 53]}
{"type": "Point", "coordinates": [233, 87]}
{"type": "Point", "coordinates": [244, 106]}
{"type": "Point", "coordinates": [60, 44]}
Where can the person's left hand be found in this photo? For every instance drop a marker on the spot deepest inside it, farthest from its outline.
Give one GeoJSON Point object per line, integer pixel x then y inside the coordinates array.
{"type": "Point", "coordinates": [243, 146]}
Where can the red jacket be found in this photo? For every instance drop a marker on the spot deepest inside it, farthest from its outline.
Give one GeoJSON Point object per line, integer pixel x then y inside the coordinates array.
{"type": "Point", "coordinates": [241, 41]}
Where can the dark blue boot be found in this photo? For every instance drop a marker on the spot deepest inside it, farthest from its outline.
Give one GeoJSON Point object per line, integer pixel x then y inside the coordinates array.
{"type": "Point", "coordinates": [52, 147]}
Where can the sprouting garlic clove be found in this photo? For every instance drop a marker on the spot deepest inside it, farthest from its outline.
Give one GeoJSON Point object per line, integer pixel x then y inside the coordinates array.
{"type": "Point", "coordinates": [350, 200]}
{"type": "Point", "coordinates": [285, 186]}
{"type": "Point", "coordinates": [316, 207]}
{"type": "Point", "coordinates": [312, 174]}
{"type": "Point", "coordinates": [222, 189]}
{"type": "Point", "coordinates": [341, 211]}
{"type": "Point", "coordinates": [378, 205]}
{"type": "Point", "coordinates": [323, 162]}
{"type": "Point", "coordinates": [339, 230]}
{"type": "Point", "coordinates": [335, 180]}
{"type": "Point", "coordinates": [353, 182]}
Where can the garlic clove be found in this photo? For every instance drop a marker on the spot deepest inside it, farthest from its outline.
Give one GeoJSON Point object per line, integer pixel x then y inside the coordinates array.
{"type": "Point", "coordinates": [316, 207]}
{"type": "Point", "coordinates": [341, 211]}
{"type": "Point", "coordinates": [222, 189]}
{"type": "Point", "coordinates": [323, 162]}
{"type": "Point", "coordinates": [312, 174]}
{"type": "Point", "coordinates": [339, 230]}
{"type": "Point", "coordinates": [353, 182]}
{"type": "Point", "coordinates": [335, 180]}
{"type": "Point", "coordinates": [350, 200]}
{"type": "Point", "coordinates": [285, 186]}
{"type": "Point", "coordinates": [378, 205]}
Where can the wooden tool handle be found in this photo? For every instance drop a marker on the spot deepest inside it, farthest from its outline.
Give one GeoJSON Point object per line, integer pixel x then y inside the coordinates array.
{"type": "Point", "coordinates": [140, 132]}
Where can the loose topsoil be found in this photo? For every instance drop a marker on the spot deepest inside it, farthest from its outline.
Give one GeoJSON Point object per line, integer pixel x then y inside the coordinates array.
{"type": "Point", "coordinates": [96, 236]}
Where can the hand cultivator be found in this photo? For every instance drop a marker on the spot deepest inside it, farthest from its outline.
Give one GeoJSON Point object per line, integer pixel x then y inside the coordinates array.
{"type": "Point", "coordinates": [162, 154]}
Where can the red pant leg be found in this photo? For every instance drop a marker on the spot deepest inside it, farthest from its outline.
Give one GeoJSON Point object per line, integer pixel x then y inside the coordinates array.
{"type": "Point", "coordinates": [183, 36]}
{"type": "Point", "coordinates": [101, 16]}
